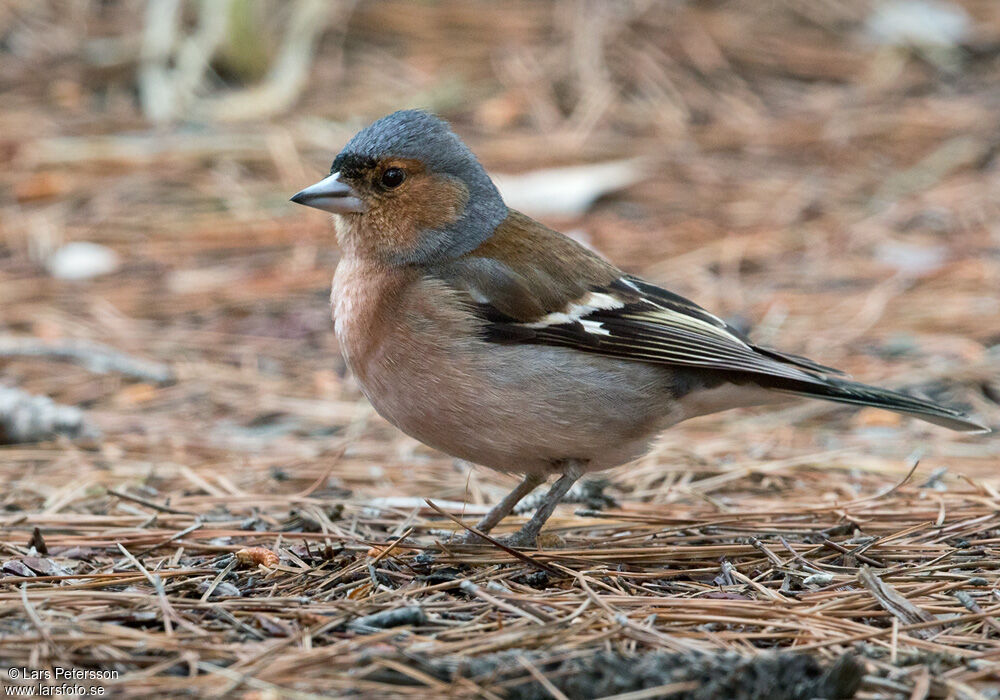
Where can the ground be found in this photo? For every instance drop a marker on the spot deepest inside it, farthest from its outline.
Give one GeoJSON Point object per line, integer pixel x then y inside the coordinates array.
{"type": "Point", "coordinates": [237, 521]}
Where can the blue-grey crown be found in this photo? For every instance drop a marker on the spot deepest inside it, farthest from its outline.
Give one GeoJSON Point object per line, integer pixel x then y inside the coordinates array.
{"type": "Point", "coordinates": [413, 134]}
{"type": "Point", "coordinates": [422, 136]}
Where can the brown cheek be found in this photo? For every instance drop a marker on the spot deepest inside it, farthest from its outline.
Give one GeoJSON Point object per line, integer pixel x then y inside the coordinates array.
{"type": "Point", "coordinates": [439, 201]}
{"type": "Point", "coordinates": [428, 202]}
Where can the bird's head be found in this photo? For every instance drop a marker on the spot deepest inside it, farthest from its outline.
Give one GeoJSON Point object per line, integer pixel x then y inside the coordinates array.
{"type": "Point", "coordinates": [408, 190]}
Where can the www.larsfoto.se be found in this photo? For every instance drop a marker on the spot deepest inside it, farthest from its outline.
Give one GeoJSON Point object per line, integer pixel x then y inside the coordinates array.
{"type": "Point", "coordinates": [52, 691]}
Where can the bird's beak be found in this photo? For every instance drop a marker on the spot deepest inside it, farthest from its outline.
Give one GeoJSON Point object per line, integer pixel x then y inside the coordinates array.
{"type": "Point", "coordinates": [332, 195]}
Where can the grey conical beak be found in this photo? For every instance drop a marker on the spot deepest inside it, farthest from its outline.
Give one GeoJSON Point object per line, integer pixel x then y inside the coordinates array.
{"type": "Point", "coordinates": [332, 195]}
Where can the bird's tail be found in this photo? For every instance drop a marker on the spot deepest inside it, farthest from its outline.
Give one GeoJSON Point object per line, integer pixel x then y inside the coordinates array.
{"type": "Point", "coordinates": [845, 391]}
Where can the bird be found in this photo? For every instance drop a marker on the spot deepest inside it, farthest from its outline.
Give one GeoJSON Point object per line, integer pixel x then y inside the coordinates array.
{"type": "Point", "coordinates": [495, 339]}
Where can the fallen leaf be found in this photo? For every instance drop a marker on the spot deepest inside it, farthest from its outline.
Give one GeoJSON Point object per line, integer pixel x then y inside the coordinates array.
{"type": "Point", "coordinates": [257, 556]}
{"type": "Point", "coordinates": [16, 568]}
{"type": "Point", "coordinates": [567, 191]}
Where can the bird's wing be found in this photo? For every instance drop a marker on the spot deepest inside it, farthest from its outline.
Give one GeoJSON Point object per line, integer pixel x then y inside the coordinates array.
{"type": "Point", "coordinates": [635, 320]}
{"type": "Point", "coordinates": [530, 284]}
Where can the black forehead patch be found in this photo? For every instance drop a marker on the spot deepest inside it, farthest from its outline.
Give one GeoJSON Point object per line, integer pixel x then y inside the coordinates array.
{"type": "Point", "coordinates": [352, 165]}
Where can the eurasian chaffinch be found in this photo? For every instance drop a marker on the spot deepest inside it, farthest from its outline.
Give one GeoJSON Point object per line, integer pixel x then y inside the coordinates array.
{"type": "Point", "coordinates": [487, 335]}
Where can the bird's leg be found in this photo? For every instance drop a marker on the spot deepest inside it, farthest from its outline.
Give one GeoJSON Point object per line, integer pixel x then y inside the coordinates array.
{"type": "Point", "coordinates": [526, 536]}
{"type": "Point", "coordinates": [504, 507]}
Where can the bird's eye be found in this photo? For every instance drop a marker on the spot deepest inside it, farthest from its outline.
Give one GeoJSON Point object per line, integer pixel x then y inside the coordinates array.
{"type": "Point", "coordinates": [393, 177]}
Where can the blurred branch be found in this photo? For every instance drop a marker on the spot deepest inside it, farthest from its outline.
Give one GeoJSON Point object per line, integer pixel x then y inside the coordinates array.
{"type": "Point", "coordinates": [166, 92]}
{"type": "Point", "coordinates": [92, 356]}
{"type": "Point", "coordinates": [155, 93]}
{"type": "Point", "coordinates": [195, 53]}
{"type": "Point", "coordinates": [134, 150]}
{"type": "Point", "coordinates": [290, 71]}
{"type": "Point", "coordinates": [169, 93]}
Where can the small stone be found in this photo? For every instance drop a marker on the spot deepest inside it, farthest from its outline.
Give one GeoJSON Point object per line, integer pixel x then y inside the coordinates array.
{"type": "Point", "coordinates": [81, 260]}
{"type": "Point", "coordinates": [919, 23]}
{"type": "Point", "coordinates": [818, 580]}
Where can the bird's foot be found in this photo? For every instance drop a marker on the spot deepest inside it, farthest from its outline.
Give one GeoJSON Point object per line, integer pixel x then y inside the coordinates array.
{"type": "Point", "coordinates": [520, 539]}
{"type": "Point", "coordinates": [467, 538]}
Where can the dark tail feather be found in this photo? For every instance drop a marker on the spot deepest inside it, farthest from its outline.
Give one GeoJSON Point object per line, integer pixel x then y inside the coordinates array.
{"type": "Point", "coordinates": [797, 360]}
{"type": "Point", "coordinates": [843, 391]}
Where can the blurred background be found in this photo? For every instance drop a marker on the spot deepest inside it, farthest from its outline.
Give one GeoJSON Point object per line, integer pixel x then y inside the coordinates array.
{"type": "Point", "coordinates": [823, 174]}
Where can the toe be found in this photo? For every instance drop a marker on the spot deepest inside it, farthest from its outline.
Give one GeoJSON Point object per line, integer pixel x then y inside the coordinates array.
{"type": "Point", "coordinates": [518, 540]}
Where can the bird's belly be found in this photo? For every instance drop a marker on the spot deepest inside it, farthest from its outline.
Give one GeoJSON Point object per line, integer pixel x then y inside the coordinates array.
{"type": "Point", "coordinates": [514, 408]}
